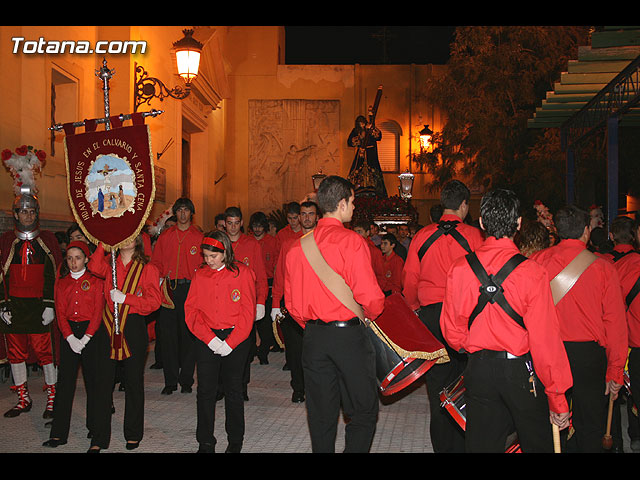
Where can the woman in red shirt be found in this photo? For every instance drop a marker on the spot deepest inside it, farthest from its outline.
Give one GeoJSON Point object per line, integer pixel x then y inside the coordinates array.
{"type": "Point", "coordinates": [220, 311]}
{"type": "Point", "coordinates": [137, 296]}
{"type": "Point", "coordinates": [79, 302]}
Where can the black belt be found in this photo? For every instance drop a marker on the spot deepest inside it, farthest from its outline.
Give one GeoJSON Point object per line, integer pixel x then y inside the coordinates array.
{"type": "Point", "coordinates": [485, 354]}
{"type": "Point", "coordinates": [338, 324]}
{"type": "Point", "coordinates": [181, 281]}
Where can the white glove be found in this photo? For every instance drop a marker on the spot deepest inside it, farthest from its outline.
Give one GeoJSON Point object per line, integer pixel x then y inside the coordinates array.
{"type": "Point", "coordinates": [259, 312]}
{"type": "Point", "coordinates": [75, 343]}
{"type": "Point", "coordinates": [224, 349]}
{"type": "Point", "coordinates": [215, 344]}
{"type": "Point", "coordinates": [47, 316]}
{"type": "Point", "coordinates": [85, 339]}
{"type": "Point", "coordinates": [275, 312]}
{"type": "Point", "coordinates": [117, 296]}
{"type": "Point", "coordinates": [6, 316]}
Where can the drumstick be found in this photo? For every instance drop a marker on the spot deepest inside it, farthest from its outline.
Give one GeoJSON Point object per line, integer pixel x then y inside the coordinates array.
{"type": "Point", "coordinates": [607, 441]}
{"type": "Point", "coordinates": [556, 438]}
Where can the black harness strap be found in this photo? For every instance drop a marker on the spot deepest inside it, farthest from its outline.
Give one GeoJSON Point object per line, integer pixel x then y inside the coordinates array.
{"type": "Point", "coordinates": [491, 290]}
{"type": "Point", "coordinates": [633, 293]}
{"type": "Point", "coordinates": [445, 227]}
{"type": "Point", "coordinates": [618, 255]}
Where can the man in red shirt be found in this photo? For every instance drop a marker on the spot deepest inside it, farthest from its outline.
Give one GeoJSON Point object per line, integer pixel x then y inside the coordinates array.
{"type": "Point", "coordinates": [338, 357]}
{"type": "Point", "coordinates": [362, 228]}
{"type": "Point", "coordinates": [247, 250]}
{"type": "Point", "coordinates": [424, 276]}
{"type": "Point", "coordinates": [291, 330]}
{"type": "Point", "coordinates": [391, 279]}
{"type": "Point", "coordinates": [593, 328]}
{"type": "Point", "coordinates": [259, 225]}
{"type": "Point", "coordinates": [177, 255]}
{"type": "Point", "coordinates": [517, 370]}
{"type": "Point", "coordinates": [293, 228]}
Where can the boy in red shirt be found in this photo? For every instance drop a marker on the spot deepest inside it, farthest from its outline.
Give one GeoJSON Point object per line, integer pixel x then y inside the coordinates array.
{"type": "Point", "coordinates": [391, 279]}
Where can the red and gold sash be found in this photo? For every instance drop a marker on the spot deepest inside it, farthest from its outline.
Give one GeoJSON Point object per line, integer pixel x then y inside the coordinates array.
{"type": "Point", "coordinates": [119, 348]}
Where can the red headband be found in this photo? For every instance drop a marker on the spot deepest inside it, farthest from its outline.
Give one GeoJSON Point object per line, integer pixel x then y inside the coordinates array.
{"type": "Point", "coordinates": [81, 245]}
{"type": "Point", "coordinates": [213, 242]}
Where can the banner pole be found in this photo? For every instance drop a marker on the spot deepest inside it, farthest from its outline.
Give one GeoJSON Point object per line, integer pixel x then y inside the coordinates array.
{"type": "Point", "coordinates": [105, 74]}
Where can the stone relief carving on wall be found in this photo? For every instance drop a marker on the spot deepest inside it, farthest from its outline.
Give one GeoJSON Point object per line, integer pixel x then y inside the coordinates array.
{"type": "Point", "coordinates": [289, 141]}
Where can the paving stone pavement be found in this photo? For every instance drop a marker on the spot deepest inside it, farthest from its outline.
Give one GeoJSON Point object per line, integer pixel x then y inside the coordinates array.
{"type": "Point", "coordinates": [273, 424]}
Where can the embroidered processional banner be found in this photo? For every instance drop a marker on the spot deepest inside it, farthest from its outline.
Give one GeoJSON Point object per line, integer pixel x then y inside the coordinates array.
{"type": "Point", "coordinates": [110, 181]}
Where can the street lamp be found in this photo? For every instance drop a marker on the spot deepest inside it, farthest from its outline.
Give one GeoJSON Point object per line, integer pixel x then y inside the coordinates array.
{"type": "Point", "coordinates": [187, 51]}
{"type": "Point", "coordinates": [406, 185]}
{"type": "Point", "coordinates": [425, 137]}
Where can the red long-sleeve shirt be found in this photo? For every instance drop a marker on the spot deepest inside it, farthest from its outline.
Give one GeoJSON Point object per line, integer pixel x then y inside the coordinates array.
{"type": "Point", "coordinates": [347, 253]}
{"type": "Point", "coordinates": [277, 289]}
{"type": "Point", "coordinates": [270, 251]}
{"type": "Point", "coordinates": [593, 310]}
{"type": "Point", "coordinates": [177, 253]}
{"type": "Point", "coordinates": [376, 259]}
{"type": "Point", "coordinates": [287, 233]}
{"type": "Point", "coordinates": [221, 299]}
{"type": "Point", "coordinates": [628, 268]}
{"type": "Point", "coordinates": [391, 278]}
{"type": "Point", "coordinates": [79, 300]}
{"type": "Point", "coordinates": [147, 297]}
{"type": "Point", "coordinates": [248, 251]}
{"type": "Point", "coordinates": [527, 290]}
{"type": "Point", "coordinates": [423, 281]}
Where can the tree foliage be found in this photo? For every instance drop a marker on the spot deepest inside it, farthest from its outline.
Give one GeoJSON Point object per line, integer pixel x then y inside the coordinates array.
{"type": "Point", "coordinates": [496, 77]}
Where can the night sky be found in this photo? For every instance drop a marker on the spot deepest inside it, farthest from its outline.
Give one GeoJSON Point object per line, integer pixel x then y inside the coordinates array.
{"type": "Point", "coordinates": [340, 45]}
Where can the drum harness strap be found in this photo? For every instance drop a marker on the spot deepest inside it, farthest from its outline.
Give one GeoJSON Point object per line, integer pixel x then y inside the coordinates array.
{"type": "Point", "coordinates": [491, 290]}
{"type": "Point", "coordinates": [633, 293]}
{"type": "Point", "coordinates": [445, 227]}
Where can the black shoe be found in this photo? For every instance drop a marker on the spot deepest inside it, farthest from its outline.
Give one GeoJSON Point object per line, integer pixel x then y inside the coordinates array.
{"type": "Point", "coordinates": [169, 389]}
{"type": "Point", "coordinates": [286, 367]}
{"type": "Point", "coordinates": [219, 396]}
{"type": "Point", "coordinates": [186, 389]}
{"type": "Point", "coordinates": [54, 442]}
{"type": "Point", "coordinates": [233, 448]}
{"type": "Point", "coordinates": [263, 361]}
{"type": "Point", "coordinates": [94, 449]}
{"type": "Point", "coordinates": [297, 397]}
{"type": "Point", "coordinates": [48, 424]}
{"type": "Point", "coordinates": [206, 448]}
{"type": "Point", "coordinates": [156, 366]}
{"type": "Point", "coordinates": [47, 414]}
{"type": "Point", "coordinates": [277, 348]}
{"type": "Point", "coordinates": [132, 445]}
{"type": "Point", "coordinates": [121, 387]}
{"type": "Point", "coordinates": [245, 396]}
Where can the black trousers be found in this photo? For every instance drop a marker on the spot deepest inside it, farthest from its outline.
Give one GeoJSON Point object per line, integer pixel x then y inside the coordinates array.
{"type": "Point", "coordinates": [586, 398]}
{"type": "Point", "coordinates": [135, 332]}
{"type": "Point", "coordinates": [213, 369]}
{"type": "Point", "coordinates": [264, 328]}
{"type": "Point", "coordinates": [499, 401]}
{"type": "Point", "coordinates": [446, 434]}
{"type": "Point", "coordinates": [67, 380]}
{"type": "Point", "coordinates": [339, 368]}
{"type": "Point", "coordinates": [292, 334]}
{"type": "Point", "coordinates": [178, 343]}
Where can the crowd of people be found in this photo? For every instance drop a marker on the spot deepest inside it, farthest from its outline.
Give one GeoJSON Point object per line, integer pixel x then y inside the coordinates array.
{"type": "Point", "coordinates": [541, 325]}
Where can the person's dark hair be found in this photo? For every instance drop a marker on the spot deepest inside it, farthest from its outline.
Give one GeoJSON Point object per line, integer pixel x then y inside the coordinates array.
{"type": "Point", "coordinates": [310, 204]}
{"type": "Point", "coordinates": [139, 253]}
{"type": "Point", "coordinates": [218, 217]}
{"type": "Point", "coordinates": [435, 212]}
{"type": "Point", "coordinates": [623, 229]}
{"type": "Point", "coordinates": [532, 237]}
{"type": "Point", "coordinates": [570, 221]}
{"type": "Point", "coordinates": [259, 218]}
{"type": "Point", "coordinates": [183, 202]}
{"type": "Point", "coordinates": [499, 211]}
{"type": "Point", "coordinates": [362, 223]}
{"type": "Point", "coordinates": [63, 271]}
{"type": "Point", "coordinates": [391, 238]}
{"type": "Point", "coordinates": [453, 194]}
{"type": "Point", "coordinates": [233, 212]}
{"type": "Point", "coordinates": [332, 190]}
{"type": "Point", "coordinates": [74, 227]}
{"type": "Point", "coordinates": [292, 207]}
{"type": "Point", "coordinates": [62, 237]}
{"type": "Point", "coordinates": [229, 257]}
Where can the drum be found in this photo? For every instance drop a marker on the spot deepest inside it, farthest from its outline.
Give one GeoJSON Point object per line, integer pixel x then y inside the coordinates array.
{"type": "Point", "coordinates": [452, 399]}
{"type": "Point", "coordinates": [404, 347]}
